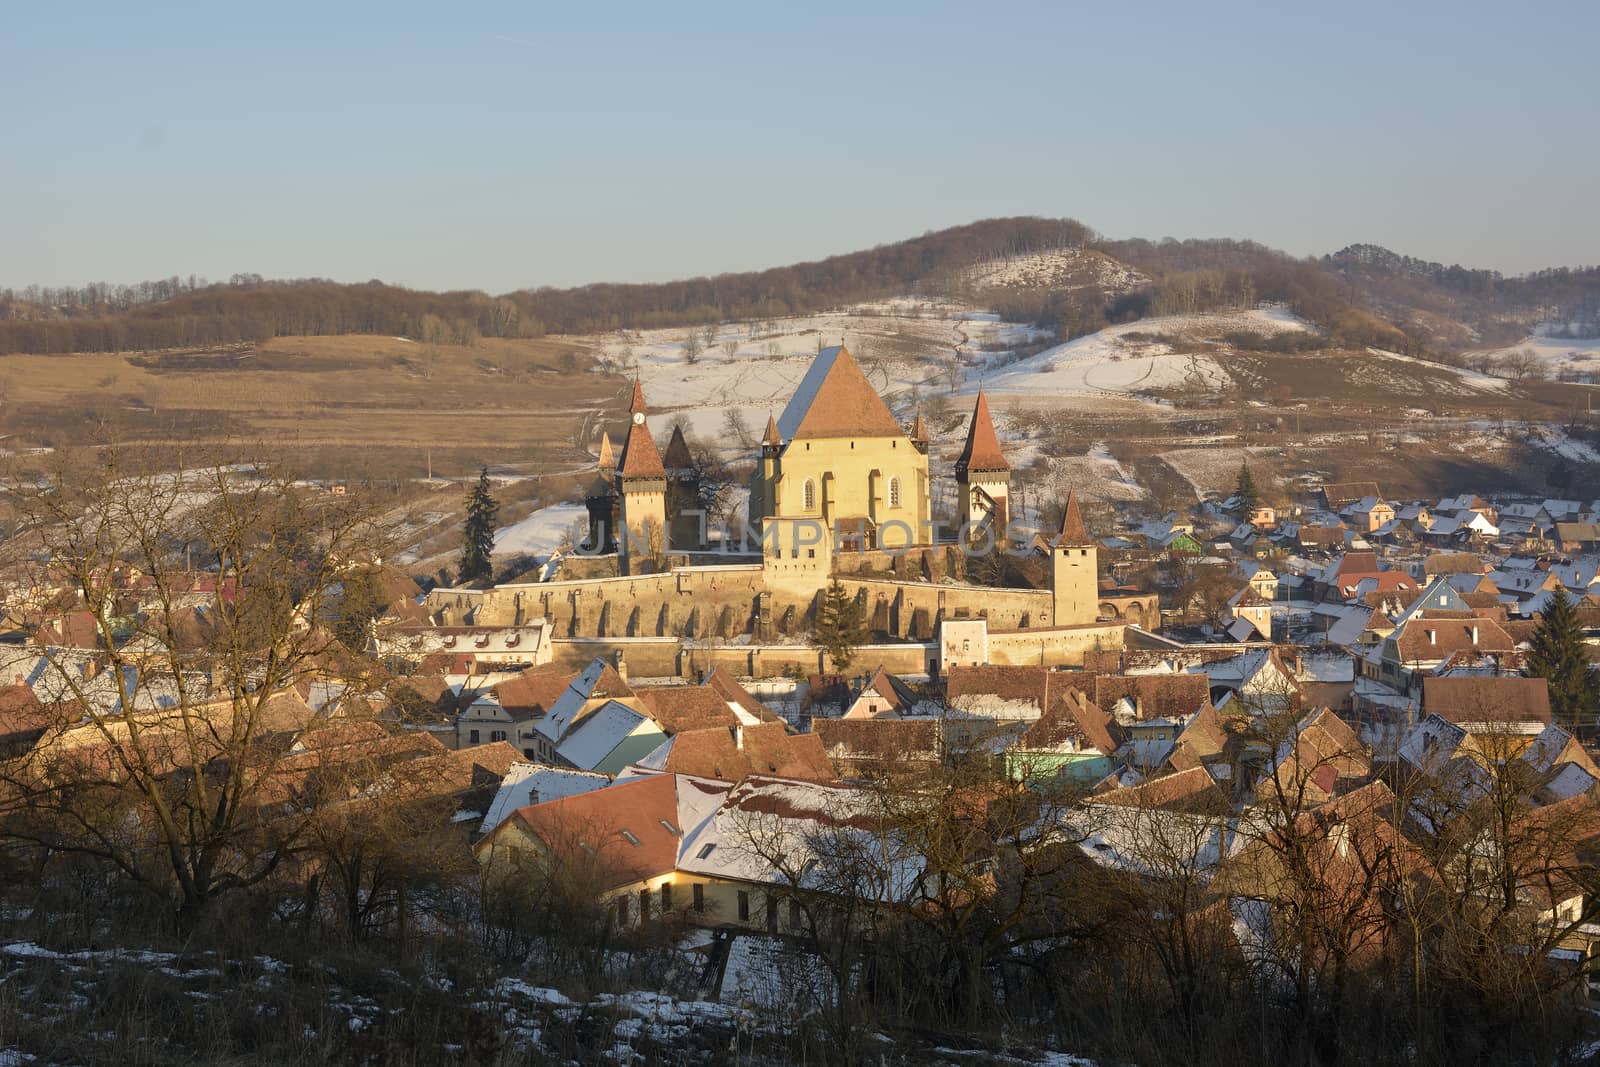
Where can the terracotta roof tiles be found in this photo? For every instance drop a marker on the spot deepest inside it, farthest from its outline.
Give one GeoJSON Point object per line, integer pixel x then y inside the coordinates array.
{"type": "Point", "coordinates": [1073, 532]}
{"type": "Point", "coordinates": [982, 452]}
{"type": "Point", "coordinates": [835, 399]}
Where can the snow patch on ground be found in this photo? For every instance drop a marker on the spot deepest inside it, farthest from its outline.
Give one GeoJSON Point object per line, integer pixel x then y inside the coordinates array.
{"type": "Point", "coordinates": [542, 532]}
{"type": "Point", "coordinates": [1555, 439]}
{"type": "Point", "coordinates": [1486, 383]}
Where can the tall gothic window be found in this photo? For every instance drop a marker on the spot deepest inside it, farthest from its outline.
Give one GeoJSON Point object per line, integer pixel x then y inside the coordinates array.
{"type": "Point", "coordinates": [808, 495]}
{"type": "Point", "coordinates": [894, 492]}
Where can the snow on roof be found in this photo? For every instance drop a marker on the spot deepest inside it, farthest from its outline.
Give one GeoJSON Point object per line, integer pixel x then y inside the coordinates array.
{"type": "Point", "coordinates": [1570, 781]}
{"type": "Point", "coordinates": [792, 822]}
{"type": "Point", "coordinates": [1152, 840]}
{"type": "Point", "coordinates": [1432, 743]}
{"type": "Point", "coordinates": [535, 783]}
{"type": "Point", "coordinates": [1351, 625]}
{"type": "Point", "coordinates": [593, 681]}
{"type": "Point", "coordinates": [599, 734]}
{"type": "Point", "coordinates": [1543, 751]}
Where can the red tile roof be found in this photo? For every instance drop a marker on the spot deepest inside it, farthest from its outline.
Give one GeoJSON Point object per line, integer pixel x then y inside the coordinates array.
{"type": "Point", "coordinates": [844, 403]}
{"type": "Point", "coordinates": [534, 690]}
{"type": "Point", "coordinates": [982, 452]}
{"type": "Point", "coordinates": [729, 753]}
{"type": "Point", "coordinates": [1072, 717]}
{"type": "Point", "coordinates": [687, 707]}
{"type": "Point", "coordinates": [1073, 532]}
{"type": "Point", "coordinates": [593, 834]}
{"type": "Point", "coordinates": [1191, 790]}
{"type": "Point", "coordinates": [1487, 699]}
{"type": "Point", "coordinates": [1156, 696]}
{"type": "Point", "coordinates": [640, 458]}
{"type": "Point", "coordinates": [1435, 639]}
{"type": "Point", "coordinates": [889, 742]}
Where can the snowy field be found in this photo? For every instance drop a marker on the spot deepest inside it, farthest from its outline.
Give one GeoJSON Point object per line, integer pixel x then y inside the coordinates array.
{"type": "Point", "coordinates": [542, 532]}
{"type": "Point", "coordinates": [1563, 359]}
{"type": "Point", "coordinates": [744, 372]}
{"type": "Point", "coordinates": [1122, 360]}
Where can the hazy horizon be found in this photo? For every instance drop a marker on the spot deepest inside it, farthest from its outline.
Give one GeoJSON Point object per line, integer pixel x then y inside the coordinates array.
{"type": "Point", "coordinates": [508, 148]}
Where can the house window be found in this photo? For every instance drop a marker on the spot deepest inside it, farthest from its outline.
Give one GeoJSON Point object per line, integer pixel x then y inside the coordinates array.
{"type": "Point", "coordinates": [744, 905]}
{"type": "Point", "coordinates": [894, 492]}
{"type": "Point", "coordinates": [794, 914]}
{"type": "Point", "coordinates": [644, 905]}
{"type": "Point", "coordinates": [497, 735]}
{"type": "Point", "coordinates": [666, 899]}
{"type": "Point", "coordinates": [808, 495]}
{"type": "Point", "coordinates": [699, 897]}
{"type": "Point", "coordinates": [472, 737]}
{"type": "Point", "coordinates": [772, 914]}
{"type": "Point", "coordinates": [630, 838]}
{"type": "Point", "coordinates": [528, 752]}
{"type": "Point", "coordinates": [622, 911]}
{"type": "Point", "coordinates": [706, 851]}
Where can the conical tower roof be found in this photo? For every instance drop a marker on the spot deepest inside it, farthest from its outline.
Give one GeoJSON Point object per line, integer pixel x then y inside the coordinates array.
{"type": "Point", "coordinates": [835, 399]}
{"type": "Point", "coordinates": [919, 429]}
{"type": "Point", "coordinates": [605, 470]}
{"type": "Point", "coordinates": [678, 457]}
{"type": "Point", "coordinates": [771, 436]}
{"type": "Point", "coordinates": [640, 457]}
{"type": "Point", "coordinates": [983, 445]}
{"type": "Point", "coordinates": [1073, 532]}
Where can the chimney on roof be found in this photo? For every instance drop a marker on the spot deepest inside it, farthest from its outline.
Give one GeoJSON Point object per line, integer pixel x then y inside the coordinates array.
{"type": "Point", "coordinates": [1474, 635]}
{"type": "Point", "coordinates": [738, 736]}
{"type": "Point", "coordinates": [621, 664]}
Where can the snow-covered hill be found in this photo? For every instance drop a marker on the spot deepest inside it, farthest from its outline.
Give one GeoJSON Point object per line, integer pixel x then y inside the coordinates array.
{"type": "Point", "coordinates": [1133, 358]}
{"type": "Point", "coordinates": [1064, 269]}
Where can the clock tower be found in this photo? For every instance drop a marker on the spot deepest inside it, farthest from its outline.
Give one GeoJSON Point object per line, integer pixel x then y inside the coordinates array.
{"type": "Point", "coordinates": [642, 479]}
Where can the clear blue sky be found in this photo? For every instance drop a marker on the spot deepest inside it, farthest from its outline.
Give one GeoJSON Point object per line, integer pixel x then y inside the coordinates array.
{"type": "Point", "coordinates": [502, 145]}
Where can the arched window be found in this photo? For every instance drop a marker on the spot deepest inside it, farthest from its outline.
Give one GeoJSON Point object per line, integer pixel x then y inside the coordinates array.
{"type": "Point", "coordinates": [894, 492]}
{"type": "Point", "coordinates": [808, 495]}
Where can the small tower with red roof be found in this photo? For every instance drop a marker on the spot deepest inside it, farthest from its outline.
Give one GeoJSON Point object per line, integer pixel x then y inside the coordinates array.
{"type": "Point", "coordinates": [1074, 570]}
{"type": "Point", "coordinates": [983, 480]}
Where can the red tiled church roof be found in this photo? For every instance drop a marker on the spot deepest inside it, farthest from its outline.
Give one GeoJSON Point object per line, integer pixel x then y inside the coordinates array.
{"type": "Point", "coordinates": [836, 400]}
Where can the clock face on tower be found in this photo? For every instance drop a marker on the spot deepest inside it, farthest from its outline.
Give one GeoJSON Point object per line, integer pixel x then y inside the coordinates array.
{"type": "Point", "coordinates": [638, 418]}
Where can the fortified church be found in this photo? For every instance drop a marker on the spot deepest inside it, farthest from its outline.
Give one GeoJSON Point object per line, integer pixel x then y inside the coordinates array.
{"type": "Point", "coordinates": [840, 489]}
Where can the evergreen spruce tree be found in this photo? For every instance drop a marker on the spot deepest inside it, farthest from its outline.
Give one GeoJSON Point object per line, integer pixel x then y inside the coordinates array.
{"type": "Point", "coordinates": [478, 535]}
{"type": "Point", "coordinates": [1245, 490]}
{"type": "Point", "coordinates": [1558, 656]}
{"type": "Point", "coordinates": [841, 626]}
